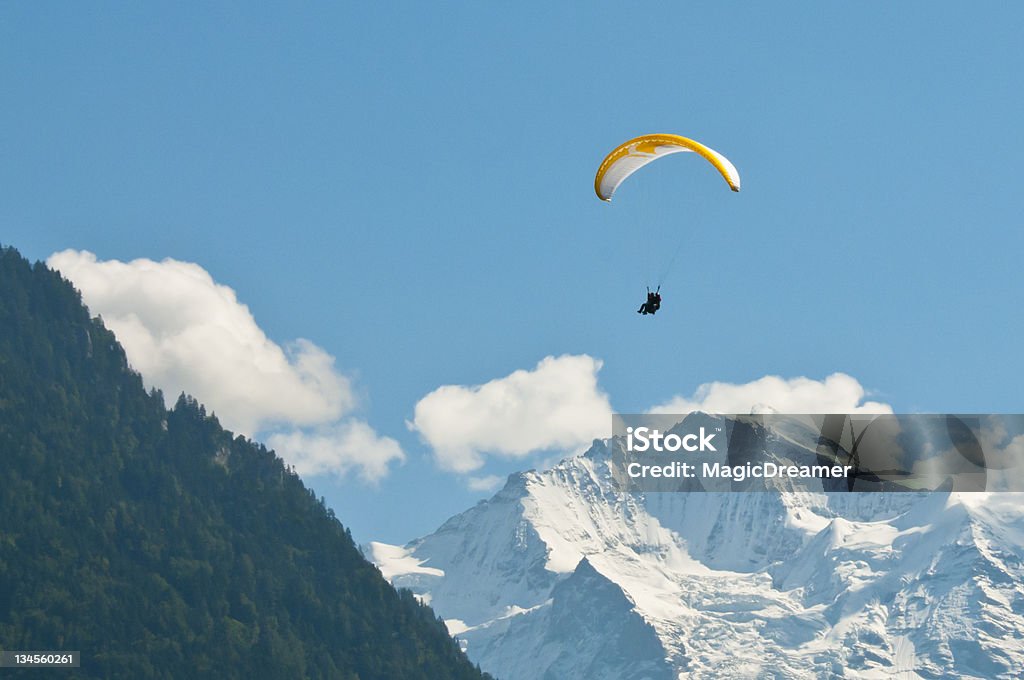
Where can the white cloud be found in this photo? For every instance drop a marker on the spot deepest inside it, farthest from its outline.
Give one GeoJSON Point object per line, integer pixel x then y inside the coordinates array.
{"type": "Point", "coordinates": [838, 393]}
{"type": "Point", "coordinates": [488, 483]}
{"type": "Point", "coordinates": [184, 332]}
{"type": "Point", "coordinates": [558, 404]}
{"type": "Point", "coordinates": [338, 449]}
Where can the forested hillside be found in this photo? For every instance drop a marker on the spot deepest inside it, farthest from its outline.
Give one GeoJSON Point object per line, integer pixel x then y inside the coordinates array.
{"type": "Point", "coordinates": [159, 544]}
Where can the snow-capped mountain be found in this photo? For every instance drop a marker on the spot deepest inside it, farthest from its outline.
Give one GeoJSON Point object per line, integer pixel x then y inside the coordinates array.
{"type": "Point", "coordinates": [560, 575]}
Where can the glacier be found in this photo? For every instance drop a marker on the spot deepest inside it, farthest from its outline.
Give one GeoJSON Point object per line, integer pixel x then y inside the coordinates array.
{"type": "Point", "coordinates": [561, 575]}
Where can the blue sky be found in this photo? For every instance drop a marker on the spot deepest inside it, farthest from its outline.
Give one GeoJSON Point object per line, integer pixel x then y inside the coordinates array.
{"type": "Point", "coordinates": [320, 159]}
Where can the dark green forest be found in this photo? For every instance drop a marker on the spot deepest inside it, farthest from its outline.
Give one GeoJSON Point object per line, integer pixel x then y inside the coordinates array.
{"type": "Point", "coordinates": [159, 544]}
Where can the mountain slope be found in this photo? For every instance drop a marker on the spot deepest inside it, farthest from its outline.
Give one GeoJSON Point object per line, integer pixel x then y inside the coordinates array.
{"type": "Point", "coordinates": [158, 544]}
{"type": "Point", "coordinates": [732, 584]}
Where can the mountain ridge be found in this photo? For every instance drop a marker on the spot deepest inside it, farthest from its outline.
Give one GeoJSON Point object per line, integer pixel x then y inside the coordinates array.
{"type": "Point", "coordinates": [797, 584]}
{"type": "Point", "coordinates": [159, 544]}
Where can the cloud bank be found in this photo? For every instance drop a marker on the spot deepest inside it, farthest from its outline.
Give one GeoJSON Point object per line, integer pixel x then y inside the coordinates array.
{"type": "Point", "coordinates": [184, 332]}
{"type": "Point", "coordinates": [556, 405]}
{"type": "Point", "coordinates": [559, 406]}
{"type": "Point", "coordinates": [838, 393]}
{"type": "Point", "coordinates": [337, 449]}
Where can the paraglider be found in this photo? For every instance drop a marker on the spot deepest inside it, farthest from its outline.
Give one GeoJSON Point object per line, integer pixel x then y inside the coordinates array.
{"type": "Point", "coordinates": [630, 156]}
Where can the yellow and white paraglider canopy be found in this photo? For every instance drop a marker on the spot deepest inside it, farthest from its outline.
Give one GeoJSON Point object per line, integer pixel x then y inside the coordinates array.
{"type": "Point", "coordinates": [630, 156]}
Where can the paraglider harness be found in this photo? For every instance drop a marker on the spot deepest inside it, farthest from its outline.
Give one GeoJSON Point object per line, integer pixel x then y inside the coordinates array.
{"type": "Point", "coordinates": [653, 303]}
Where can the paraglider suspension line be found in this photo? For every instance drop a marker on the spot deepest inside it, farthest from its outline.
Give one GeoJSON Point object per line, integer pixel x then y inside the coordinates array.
{"type": "Point", "coordinates": [668, 268]}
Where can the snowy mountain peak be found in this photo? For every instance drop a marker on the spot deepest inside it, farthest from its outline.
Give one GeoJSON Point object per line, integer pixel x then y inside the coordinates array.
{"type": "Point", "coordinates": [586, 582]}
